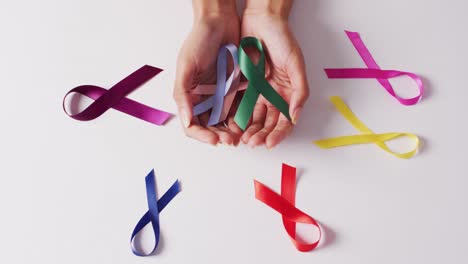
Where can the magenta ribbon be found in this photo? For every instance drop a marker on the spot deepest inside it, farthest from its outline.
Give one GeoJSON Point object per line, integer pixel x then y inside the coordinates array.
{"type": "Point", "coordinates": [374, 72]}
{"type": "Point", "coordinates": [115, 98]}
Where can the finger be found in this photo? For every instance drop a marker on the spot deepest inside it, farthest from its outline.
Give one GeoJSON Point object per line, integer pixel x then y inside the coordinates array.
{"type": "Point", "coordinates": [300, 87]}
{"type": "Point", "coordinates": [279, 133]}
{"type": "Point", "coordinates": [224, 136]}
{"type": "Point", "coordinates": [271, 120]}
{"type": "Point", "coordinates": [235, 135]}
{"type": "Point", "coordinates": [182, 96]}
{"type": "Point", "coordinates": [235, 130]}
{"type": "Point", "coordinates": [258, 120]}
{"type": "Point", "coordinates": [231, 124]}
{"type": "Point", "coordinates": [202, 134]}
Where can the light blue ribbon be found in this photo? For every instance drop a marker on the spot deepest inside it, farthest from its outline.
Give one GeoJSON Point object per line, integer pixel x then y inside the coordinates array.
{"type": "Point", "coordinates": [223, 86]}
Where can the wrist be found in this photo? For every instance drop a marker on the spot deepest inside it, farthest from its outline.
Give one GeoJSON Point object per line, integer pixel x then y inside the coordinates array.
{"type": "Point", "coordinates": [276, 8]}
{"type": "Point", "coordinates": [214, 9]}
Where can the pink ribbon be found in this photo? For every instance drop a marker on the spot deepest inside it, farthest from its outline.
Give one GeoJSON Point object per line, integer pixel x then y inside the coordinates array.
{"type": "Point", "coordinates": [374, 72]}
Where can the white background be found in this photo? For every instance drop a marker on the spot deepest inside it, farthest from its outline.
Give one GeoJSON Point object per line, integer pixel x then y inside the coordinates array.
{"type": "Point", "coordinates": [71, 192]}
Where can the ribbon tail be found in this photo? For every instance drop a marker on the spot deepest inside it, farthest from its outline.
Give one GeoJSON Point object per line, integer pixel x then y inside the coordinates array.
{"type": "Point", "coordinates": [203, 106]}
{"type": "Point", "coordinates": [346, 141]}
{"type": "Point", "coordinates": [246, 107]}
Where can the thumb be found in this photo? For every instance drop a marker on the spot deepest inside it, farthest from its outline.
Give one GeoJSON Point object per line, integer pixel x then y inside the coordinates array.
{"type": "Point", "coordinates": [300, 87]}
{"type": "Point", "coordinates": [182, 94]}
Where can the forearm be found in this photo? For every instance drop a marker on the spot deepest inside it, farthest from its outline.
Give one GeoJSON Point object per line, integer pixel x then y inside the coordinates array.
{"type": "Point", "coordinates": [280, 8]}
{"type": "Point", "coordinates": [213, 8]}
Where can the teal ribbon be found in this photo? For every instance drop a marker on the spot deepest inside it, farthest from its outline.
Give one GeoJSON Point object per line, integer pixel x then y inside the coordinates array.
{"type": "Point", "coordinates": [255, 74]}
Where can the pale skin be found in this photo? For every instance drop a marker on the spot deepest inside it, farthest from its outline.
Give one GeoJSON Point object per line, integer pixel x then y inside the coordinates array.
{"type": "Point", "coordinates": [216, 23]}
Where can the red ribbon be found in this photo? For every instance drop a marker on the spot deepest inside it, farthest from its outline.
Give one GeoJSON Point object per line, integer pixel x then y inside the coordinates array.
{"type": "Point", "coordinates": [285, 204]}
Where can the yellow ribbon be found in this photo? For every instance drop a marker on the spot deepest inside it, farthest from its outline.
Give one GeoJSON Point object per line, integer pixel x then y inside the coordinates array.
{"type": "Point", "coordinates": [367, 135]}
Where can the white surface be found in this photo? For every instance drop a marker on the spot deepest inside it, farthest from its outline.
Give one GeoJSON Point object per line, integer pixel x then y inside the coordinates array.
{"type": "Point", "coordinates": [71, 192]}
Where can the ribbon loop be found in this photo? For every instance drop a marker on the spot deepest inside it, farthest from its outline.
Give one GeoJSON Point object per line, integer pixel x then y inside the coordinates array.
{"type": "Point", "coordinates": [285, 204]}
{"type": "Point", "coordinates": [367, 135]}
{"type": "Point", "coordinates": [225, 91]}
{"type": "Point", "coordinates": [374, 72]}
{"type": "Point", "coordinates": [154, 208]}
{"type": "Point", "coordinates": [255, 74]}
{"type": "Point", "coordinates": [115, 98]}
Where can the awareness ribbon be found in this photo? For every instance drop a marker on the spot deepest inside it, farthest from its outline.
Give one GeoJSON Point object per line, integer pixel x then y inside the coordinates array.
{"type": "Point", "coordinates": [115, 98]}
{"type": "Point", "coordinates": [210, 89]}
{"type": "Point", "coordinates": [225, 90]}
{"type": "Point", "coordinates": [255, 74]}
{"type": "Point", "coordinates": [367, 135]}
{"type": "Point", "coordinates": [285, 204]}
{"type": "Point", "coordinates": [152, 215]}
{"type": "Point", "coordinates": [374, 72]}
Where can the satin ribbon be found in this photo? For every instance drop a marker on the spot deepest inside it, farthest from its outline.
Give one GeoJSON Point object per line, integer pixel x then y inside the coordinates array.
{"type": "Point", "coordinates": [154, 208]}
{"type": "Point", "coordinates": [255, 74]}
{"type": "Point", "coordinates": [374, 72]}
{"type": "Point", "coordinates": [367, 135]}
{"type": "Point", "coordinates": [115, 98]}
{"type": "Point", "coordinates": [210, 89]}
{"type": "Point", "coordinates": [225, 90]}
{"type": "Point", "coordinates": [285, 204]}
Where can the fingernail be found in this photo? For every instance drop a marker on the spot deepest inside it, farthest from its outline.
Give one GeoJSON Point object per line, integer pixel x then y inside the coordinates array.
{"type": "Point", "coordinates": [269, 147]}
{"type": "Point", "coordinates": [296, 115]}
{"type": "Point", "coordinates": [185, 119]}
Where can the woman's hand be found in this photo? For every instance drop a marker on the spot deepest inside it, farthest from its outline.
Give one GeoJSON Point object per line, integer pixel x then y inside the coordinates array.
{"type": "Point", "coordinates": [215, 23]}
{"type": "Point", "coordinates": [267, 20]}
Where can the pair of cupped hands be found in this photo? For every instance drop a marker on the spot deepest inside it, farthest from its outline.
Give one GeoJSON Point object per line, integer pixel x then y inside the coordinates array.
{"type": "Point", "coordinates": [285, 71]}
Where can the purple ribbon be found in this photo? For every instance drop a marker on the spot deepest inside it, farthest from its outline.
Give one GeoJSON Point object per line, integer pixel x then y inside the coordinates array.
{"type": "Point", "coordinates": [216, 102]}
{"type": "Point", "coordinates": [115, 98]}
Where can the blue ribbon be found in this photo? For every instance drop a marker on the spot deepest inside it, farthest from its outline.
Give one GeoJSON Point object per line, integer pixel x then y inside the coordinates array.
{"type": "Point", "coordinates": [152, 215]}
{"type": "Point", "coordinates": [216, 101]}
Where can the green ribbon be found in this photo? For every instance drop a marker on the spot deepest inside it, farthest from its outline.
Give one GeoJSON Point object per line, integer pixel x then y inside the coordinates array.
{"type": "Point", "coordinates": [255, 74]}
